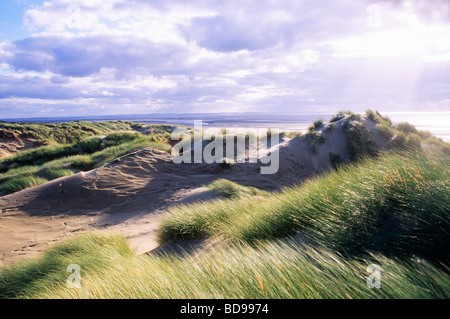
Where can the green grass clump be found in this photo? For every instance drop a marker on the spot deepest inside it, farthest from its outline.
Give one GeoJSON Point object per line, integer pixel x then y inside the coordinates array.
{"type": "Point", "coordinates": [406, 128]}
{"type": "Point", "coordinates": [18, 172]}
{"type": "Point", "coordinates": [75, 162]}
{"type": "Point", "coordinates": [335, 160]}
{"type": "Point", "coordinates": [17, 183]}
{"type": "Point", "coordinates": [280, 270]}
{"type": "Point", "coordinates": [115, 139]}
{"type": "Point", "coordinates": [340, 115]}
{"type": "Point", "coordinates": [360, 141]}
{"type": "Point", "coordinates": [330, 127]}
{"type": "Point", "coordinates": [226, 163]}
{"type": "Point", "coordinates": [230, 189]}
{"type": "Point", "coordinates": [40, 155]}
{"type": "Point", "coordinates": [292, 134]}
{"type": "Point", "coordinates": [395, 205]}
{"type": "Point", "coordinates": [90, 145]}
{"type": "Point", "coordinates": [376, 117]}
{"type": "Point", "coordinates": [404, 141]}
{"type": "Point", "coordinates": [51, 174]}
{"type": "Point", "coordinates": [385, 132]}
{"type": "Point", "coordinates": [112, 152]}
{"type": "Point", "coordinates": [82, 162]}
{"type": "Point", "coordinates": [316, 125]}
{"type": "Point", "coordinates": [314, 138]}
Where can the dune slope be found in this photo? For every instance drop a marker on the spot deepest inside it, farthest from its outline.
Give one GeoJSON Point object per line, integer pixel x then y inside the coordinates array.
{"type": "Point", "coordinates": [131, 194]}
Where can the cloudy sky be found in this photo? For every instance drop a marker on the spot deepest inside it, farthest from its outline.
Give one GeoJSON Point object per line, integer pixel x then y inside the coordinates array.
{"type": "Point", "coordinates": [92, 57]}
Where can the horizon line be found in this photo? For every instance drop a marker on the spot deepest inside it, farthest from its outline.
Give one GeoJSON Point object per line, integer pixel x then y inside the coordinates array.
{"type": "Point", "coordinates": [202, 113]}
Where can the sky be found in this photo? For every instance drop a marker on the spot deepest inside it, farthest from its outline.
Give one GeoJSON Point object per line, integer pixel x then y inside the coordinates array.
{"type": "Point", "coordinates": [96, 57]}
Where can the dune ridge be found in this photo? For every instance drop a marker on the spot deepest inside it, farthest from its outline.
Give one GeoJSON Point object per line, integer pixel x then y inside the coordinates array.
{"type": "Point", "coordinates": [131, 194]}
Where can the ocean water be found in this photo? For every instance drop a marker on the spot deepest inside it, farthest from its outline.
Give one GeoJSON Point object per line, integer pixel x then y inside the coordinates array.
{"type": "Point", "coordinates": [438, 123]}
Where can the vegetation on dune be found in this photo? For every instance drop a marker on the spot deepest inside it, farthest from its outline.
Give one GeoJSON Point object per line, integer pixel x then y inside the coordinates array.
{"type": "Point", "coordinates": [54, 173]}
{"type": "Point", "coordinates": [389, 207]}
{"type": "Point", "coordinates": [340, 115]}
{"type": "Point", "coordinates": [76, 131]}
{"type": "Point", "coordinates": [35, 166]}
{"type": "Point", "coordinates": [292, 134]}
{"type": "Point", "coordinates": [109, 269]}
{"type": "Point", "coordinates": [17, 183]}
{"type": "Point", "coordinates": [397, 204]}
{"type": "Point", "coordinates": [405, 136]}
{"type": "Point", "coordinates": [316, 125]}
{"type": "Point", "coordinates": [360, 141]}
{"type": "Point", "coordinates": [376, 117]}
{"type": "Point", "coordinates": [386, 132]}
{"type": "Point", "coordinates": [39, 156]}
{"type": "Point", "coordinates": [335, 160]}
{"type": "Point", "coordinates": [226, 163]}
{"type": "Point", "coordinates": [233, 190]}
{"type": "Point", "coordinates": [92, 250]}
{"type": "Point", "coordinates": [314, 138]}
{"type": "Point", "coordinates": [64, 133]}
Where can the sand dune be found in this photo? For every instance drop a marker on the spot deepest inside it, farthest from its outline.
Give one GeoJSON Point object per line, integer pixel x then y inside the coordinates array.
{"type": "Point", "coordinates": [131, 194]}
{"type": "Point", "coordinates": [11, 143]}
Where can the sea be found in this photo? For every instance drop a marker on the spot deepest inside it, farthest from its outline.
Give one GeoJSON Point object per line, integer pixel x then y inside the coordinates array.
{"type": "Point", "coordinates": [438, 123]}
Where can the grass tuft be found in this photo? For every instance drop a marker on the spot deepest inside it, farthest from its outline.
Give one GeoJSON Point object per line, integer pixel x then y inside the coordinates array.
{"type": "Point", "coordinates": [280, 270]}
{"type": "Point", "coordinates": [17, 183]}
{"type": "Point", "coordinates": [230, 189]}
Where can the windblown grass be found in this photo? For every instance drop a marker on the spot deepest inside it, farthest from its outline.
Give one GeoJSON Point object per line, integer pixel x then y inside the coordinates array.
{"type": "Point", "coordinates": [17, 183]}
{"type": "Point", "coordinates": [376, 117]}
{"type": "Point", "coordinates": [109, 269]}
{"type": "Point", "coordinates": [397, 205]}
{"type": "Point", "coordinates": [391, 211]}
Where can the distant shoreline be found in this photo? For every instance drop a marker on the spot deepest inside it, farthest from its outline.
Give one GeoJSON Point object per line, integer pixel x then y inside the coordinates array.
{"type": "Point", "coordinates": [435, 122]}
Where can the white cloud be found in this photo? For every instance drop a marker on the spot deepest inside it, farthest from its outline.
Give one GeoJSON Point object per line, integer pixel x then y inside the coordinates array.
{"type": "Point", "coordinates": [426, 42]}
{"type": "Point", "coordinates": [168, 55]}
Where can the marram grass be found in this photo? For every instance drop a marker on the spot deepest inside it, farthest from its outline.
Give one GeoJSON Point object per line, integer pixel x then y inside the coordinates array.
{"type": "Point", "coordinates": [109, 269]}
{"type": "Point", "coordinates": [396, 205]}
{"type": "Point", "coordinates": [391, 212]}
{"type": "Point", "coordinates": [37, 166]}
{"type": "Point", "coordinates": [17, 183]}
{"type": "Point", "coordinates": [228, 189]}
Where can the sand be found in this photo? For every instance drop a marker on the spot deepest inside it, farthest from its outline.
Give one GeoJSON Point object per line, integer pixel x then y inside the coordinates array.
{"type": "Point", "coordinates": [11, 143]}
